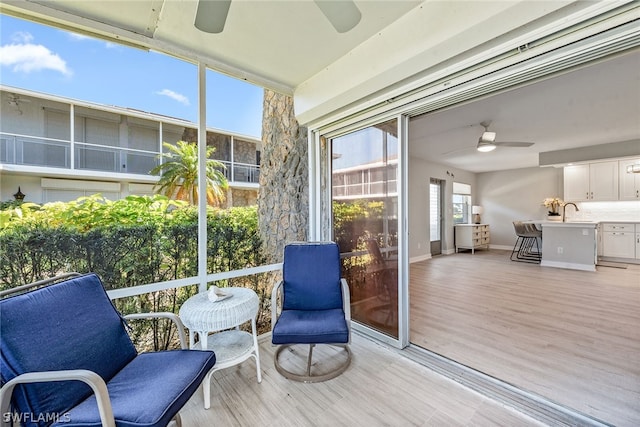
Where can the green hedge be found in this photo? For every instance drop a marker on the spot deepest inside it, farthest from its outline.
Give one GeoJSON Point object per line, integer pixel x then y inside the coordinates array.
{"type": "Point", "coordinates": [130, 242]}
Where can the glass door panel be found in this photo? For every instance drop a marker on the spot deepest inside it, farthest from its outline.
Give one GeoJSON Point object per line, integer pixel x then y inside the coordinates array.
{"type": "Point", "coordinates": [364, 174]}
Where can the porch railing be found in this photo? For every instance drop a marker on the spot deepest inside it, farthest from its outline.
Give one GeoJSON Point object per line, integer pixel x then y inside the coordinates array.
{"type": "Point", "coordinates": [180, 283]}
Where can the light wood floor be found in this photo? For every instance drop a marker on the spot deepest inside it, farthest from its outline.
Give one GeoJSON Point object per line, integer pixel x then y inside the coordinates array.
{"type": "Point", "coordinates": [380, 388]}
{"type": "Point", "coordinates": [570, 336]}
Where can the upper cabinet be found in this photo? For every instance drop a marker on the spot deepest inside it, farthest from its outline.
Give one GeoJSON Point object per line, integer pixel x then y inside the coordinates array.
{"type": "Point", "coordinates": [576, 183]}
{"type": "Point", "coordinates": [591, 182]}
{"type": "Point", "coordinates": [629, 182]}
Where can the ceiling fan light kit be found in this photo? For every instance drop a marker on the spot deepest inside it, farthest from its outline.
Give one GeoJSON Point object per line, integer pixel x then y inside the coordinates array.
{"type": "Point", "coordinates": [485, 147]}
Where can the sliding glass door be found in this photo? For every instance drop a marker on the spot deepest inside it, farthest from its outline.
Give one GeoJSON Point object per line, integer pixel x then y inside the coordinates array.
{"type": "Point", "coordinates": [364, 171]}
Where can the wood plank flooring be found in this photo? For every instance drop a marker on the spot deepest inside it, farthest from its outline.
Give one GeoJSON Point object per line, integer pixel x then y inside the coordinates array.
{"type": "Point", "coordinates": [380, 388]}
{"type": "Point", "coordinates": [570, 336]}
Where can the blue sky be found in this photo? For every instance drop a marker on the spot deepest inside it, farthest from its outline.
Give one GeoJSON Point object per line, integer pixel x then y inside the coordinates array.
{"type": "Point", "coordinates": [49, 60]}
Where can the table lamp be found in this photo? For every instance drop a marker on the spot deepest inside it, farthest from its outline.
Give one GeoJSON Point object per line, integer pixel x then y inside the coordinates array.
{"type": "Point", "coordinates": [476, 211]}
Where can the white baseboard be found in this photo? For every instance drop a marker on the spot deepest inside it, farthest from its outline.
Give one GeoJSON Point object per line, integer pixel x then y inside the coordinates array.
{"type": "Point", "coordinates": [449, 251]}
{"type": "Point", "coordinates": [501, 247]}
{"type": "Point", "coordinates": [569, 265]}
{"type": "Point", "coordinates": [419, 258]}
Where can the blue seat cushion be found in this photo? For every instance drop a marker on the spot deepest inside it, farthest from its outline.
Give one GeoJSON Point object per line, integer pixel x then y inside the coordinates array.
{"type": "Point", "coordinates": [149, 391]}
{"type": "Point", "coordinates": [311, 275]}
{"type": "Point", "coordinates": [69, 325]}
{"type": "Point", "coordinates": [311, 327]}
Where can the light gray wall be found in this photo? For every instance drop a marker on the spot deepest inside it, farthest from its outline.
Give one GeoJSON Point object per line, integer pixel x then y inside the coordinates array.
{"type": "Point", "coordinates": [516, 194]}
{"type": "Point", "coordinates": [420, 173]}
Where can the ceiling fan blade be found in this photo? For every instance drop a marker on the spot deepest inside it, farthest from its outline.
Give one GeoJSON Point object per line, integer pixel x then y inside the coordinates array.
{"type": "Point", "coordinates": [211, 15]}
{"type": "Point", "coordinates": [514, 144]}
{"type": "Point", "coordinates": [342, 14]}
{"type": "Point", "coordinates": [457, 150]}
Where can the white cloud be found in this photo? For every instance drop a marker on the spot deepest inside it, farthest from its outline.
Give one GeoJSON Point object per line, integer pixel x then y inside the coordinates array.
{"type": "Point", "coordinates": [174, 95]}
{"type": "Point", "coordinates": [24, 56]}
{"type": "Point", "coordinates": [22, 37]}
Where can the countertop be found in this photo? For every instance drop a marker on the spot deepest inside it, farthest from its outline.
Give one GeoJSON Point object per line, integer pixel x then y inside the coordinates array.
{"type": "Point", "coordinates": [573, 224]}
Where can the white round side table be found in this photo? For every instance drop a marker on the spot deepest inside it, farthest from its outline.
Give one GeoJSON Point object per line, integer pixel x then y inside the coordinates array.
{"type": "Point", "coordinates": [231, 346]}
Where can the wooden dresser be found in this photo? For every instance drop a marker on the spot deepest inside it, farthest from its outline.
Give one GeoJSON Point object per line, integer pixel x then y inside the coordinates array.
{"type": "Point", "coordinates": [472, 236]}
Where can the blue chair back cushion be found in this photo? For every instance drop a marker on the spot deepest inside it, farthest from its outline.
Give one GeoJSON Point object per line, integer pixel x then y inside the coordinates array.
{"type": "Point", "coordinates": [68, 325]}
{"type": "Point", "coordinates": [311, 274]}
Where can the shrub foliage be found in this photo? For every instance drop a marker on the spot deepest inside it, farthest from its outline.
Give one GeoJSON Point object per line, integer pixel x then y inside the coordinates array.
{"type": "Point", "coordinates": [134, 241]}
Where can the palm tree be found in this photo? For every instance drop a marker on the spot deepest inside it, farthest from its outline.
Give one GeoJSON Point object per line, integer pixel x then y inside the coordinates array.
{"type": "Point", "coordinates": [179, 174]}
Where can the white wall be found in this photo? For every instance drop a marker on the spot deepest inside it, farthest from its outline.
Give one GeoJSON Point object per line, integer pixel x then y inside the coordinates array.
{"type": "Point", "coordinates": [516, 194]}
{"type": "Point", "coordinates": [29, 186]}
{"type": "Point", "coordinates": [34, 188]}
{"type": "Point", "coordinates": [420, 173]}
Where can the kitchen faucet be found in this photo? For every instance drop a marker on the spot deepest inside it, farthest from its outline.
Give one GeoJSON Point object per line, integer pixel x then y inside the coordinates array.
{"type": "Point", "coordinates": [564, 217]}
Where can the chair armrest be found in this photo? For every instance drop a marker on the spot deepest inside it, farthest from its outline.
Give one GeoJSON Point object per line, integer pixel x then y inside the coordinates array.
{"type": "Point", "coordinates": [163, 315]}
{"type": "Point", "coordinates": [274, 303]}
{"type": "Point", "coordinates": [90, 378]}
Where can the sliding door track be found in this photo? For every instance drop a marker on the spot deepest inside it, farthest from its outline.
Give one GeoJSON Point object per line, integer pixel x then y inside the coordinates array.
{"type": "Point", "coordinates": [531, 404]}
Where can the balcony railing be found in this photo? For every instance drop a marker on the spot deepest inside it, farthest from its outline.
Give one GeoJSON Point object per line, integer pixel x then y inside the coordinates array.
{"type": "Point", "coordinates": [114, 159]}
{"type": "Point", "coordinates": [28, 150]}
{"type": "Point", "coordinates": [365, 189]}
{"type": "Point", "coordinates": [241, 172]}
{"type": "Point", "coordinates": [32, 151]}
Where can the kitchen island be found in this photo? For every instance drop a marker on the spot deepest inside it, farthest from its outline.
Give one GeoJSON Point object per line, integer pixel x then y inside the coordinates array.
{"type": "Point", "coordinates": [571, 245]}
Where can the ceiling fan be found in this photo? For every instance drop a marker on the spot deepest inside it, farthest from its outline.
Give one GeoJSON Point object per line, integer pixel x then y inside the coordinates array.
{"type": "Point", "coordinates": [487, 141]}
{"type": "Point", "coordinates": [211, 15]}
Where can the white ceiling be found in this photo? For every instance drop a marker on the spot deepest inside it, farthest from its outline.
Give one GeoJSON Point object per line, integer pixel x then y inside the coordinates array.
{"type": "Point", "coordinates": [594, 105]}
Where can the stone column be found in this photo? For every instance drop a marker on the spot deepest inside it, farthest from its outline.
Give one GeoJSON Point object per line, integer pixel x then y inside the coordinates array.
{"type": "Point", "coordinates": [283, 200]}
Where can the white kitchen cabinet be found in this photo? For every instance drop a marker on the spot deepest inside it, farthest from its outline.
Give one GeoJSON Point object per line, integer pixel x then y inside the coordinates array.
{"type": "Point", "coordinates": [637, 241]}
{"type": "Point", "coordinates": [472, 236]}
{"type": "Point", "coordinates": [576, 183]}
{"type": "Point", "coordinates": [629, 183]}
{"type": "Point", "coordinates": [619, 240]}
{"type": "Point", "coordinates": [591, 182]}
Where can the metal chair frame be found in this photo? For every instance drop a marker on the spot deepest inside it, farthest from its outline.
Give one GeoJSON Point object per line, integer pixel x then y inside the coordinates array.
{"type": "Point", "coordinates": [523, 249]}
{"type": "Point", "coordinates": [308, 376]}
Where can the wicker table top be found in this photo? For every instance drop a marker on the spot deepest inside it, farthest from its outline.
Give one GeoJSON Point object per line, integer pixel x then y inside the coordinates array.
{"type": "Point", "coordinates": [200, 314]}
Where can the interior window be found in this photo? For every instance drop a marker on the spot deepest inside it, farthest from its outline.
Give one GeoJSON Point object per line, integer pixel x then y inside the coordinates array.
{"type": "Point", "coordinates": [461, 203]}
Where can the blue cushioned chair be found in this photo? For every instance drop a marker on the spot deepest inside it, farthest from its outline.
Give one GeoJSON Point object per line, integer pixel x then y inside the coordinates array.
{"type": "Point", "coordinates": [315, 308]}
{"type": "Point", "coordinates": [66, 360]}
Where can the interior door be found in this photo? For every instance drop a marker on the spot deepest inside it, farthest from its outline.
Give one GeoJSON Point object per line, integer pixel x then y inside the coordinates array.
{"type": "Point", "coordinates": [435, 215]}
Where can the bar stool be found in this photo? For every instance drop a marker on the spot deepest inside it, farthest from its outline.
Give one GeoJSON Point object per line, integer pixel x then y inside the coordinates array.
{"type": "Point", "coordinates": [523, 250]}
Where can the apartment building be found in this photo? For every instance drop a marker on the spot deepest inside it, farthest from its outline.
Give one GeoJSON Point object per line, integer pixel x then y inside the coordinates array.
{"type": "Point", "coordinates": [58, 149]}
